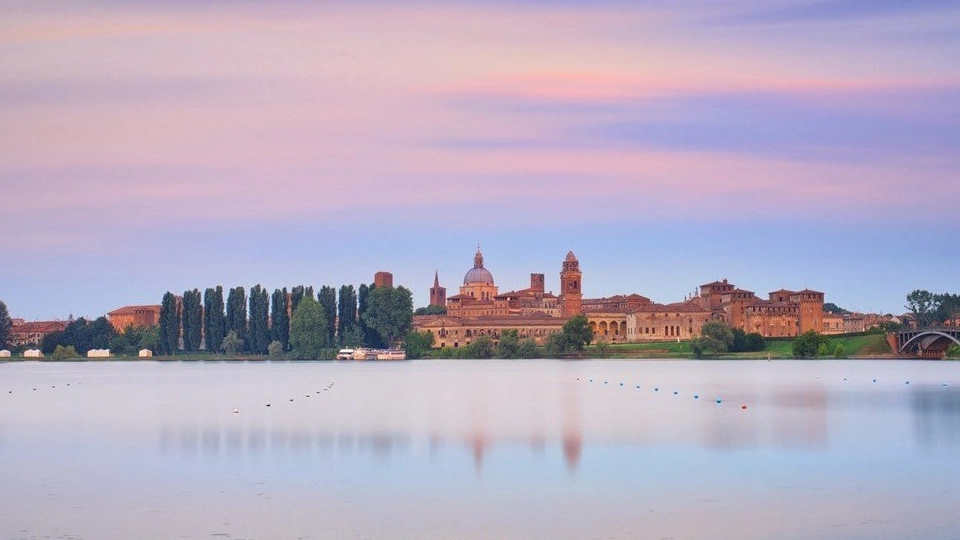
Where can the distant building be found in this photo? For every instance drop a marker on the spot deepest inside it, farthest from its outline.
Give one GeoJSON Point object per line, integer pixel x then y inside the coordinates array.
{"type": "Point", "coordinates": [438, 294]}
{"type": "Point", "coordinates": [136, 316]}
{"type": "Point", "coordinates": [32, 333]}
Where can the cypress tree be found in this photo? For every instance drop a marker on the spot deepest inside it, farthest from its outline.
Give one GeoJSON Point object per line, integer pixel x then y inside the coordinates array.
{"type": "Point", "coordinates": [346, 312]}
{"type": "Point", "coordinates": [214, 318]}
{"type": "Point", "coordinates": [169, 324]}
{"type": "Point", "coordinates": [192, 320]}
{"type": "Point", "coordinates": [280, 317]}
{"type": "Point", "coordinates": [328, 301]}
{"type": "Point", "coordinates": [236, 320]}
{"type": "Point", "coordinates": [259, 320]}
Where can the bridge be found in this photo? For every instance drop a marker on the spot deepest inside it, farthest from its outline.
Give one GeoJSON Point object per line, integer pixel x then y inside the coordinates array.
{"type": "Point", "coordinates": [928, 342]}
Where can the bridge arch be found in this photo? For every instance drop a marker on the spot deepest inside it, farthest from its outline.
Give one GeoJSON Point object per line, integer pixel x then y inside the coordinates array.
{"type": "Point", "coordinates": [923, 340]}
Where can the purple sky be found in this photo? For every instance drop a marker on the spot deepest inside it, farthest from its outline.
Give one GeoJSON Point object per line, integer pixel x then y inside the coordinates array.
{"type": "Point", "coordinates": [166, 145]}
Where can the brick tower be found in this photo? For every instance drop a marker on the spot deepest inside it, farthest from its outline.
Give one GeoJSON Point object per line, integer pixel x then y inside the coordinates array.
{"type": "Point", "coordinates": [438, 294]}
{"type": "Point", "coordinates": [571, 297]}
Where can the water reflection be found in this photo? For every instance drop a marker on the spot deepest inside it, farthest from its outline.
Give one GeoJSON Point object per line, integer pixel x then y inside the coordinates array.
{"type": "Point", "coordinates": [936, 413]}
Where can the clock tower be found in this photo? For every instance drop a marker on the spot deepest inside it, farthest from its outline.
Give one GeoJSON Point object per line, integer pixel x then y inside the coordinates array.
{"type": "Point", "coordinates": [571, 297]}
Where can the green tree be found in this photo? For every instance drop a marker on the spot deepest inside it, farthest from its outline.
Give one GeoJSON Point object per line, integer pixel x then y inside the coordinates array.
{"type": "Point", "coordinates": [953, 351]}
{"type": "Point", "coordinates": [481, 347]}
{"type": "Point", "coordinates": [236, 320]}
{"type": "Point", "coordinates": [528, 348]}
{"type": "Point", "coordinates": [744, 342]}
{"type": "Point", "coordinates": [308, 330]}
{"type": "Point", "coordinates": [259, 324]}
{"type": "Point", "coordinates": [555, 345]}
{"type": "Point", "coordinates": [6, 325]}
{"type": "Point", "coordinates": [715, 338]}
{"type": "Point", "coordinates": [809, 344]}
{"type": "Point", "coordinates": [368, 336]}
{"type": "Point", "coordinates": [169, 324]}
{"type": "Point", "coordinates": [431, 310]}
{"type": "Point", "coordinates": [82, 335]}
{"type": "Point", "coordinates": [839, 351]}
{"type": "Point", "coordinates": [192, 320]}
{"type": "Point", "coordinates": [347, 315]}
{"type": "Point", "coordinates": [576, 334]}
{"type": "Point", "coordinates": [922, 305]}
{"type": "Point", "coordinates": [603, 349]}
{"type": "Point", "coordinates": [509, 345]}
{"type": "Point", "coordinates": [279, 304]}
{"type": "Point", "coordinates": [833, 308]}
{"type": "Point", "coordinates": [232, 345]}
{"type": "Point", "coordinates": [297, 294]}
{"type": "Point", "coordinates": [64, 353]}
{"type": "Point", "coordinates": [214, 319]}
{"type": "Point", "coordinates": [328, 302]}
{"type": "Point", "coordinates": [947, 307]}
{"type": "Point", "coordinates": [418, 344]}
{"type": "Point", "coordinates": [389, 313]}
{"type": "Point", "coordinates": [275, 349]}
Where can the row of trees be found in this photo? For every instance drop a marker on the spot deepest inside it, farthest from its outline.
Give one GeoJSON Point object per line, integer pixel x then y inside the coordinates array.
{"type": "Point", "coordinates": [265, 324]}
{"type": "Point", "coordinates": [718, 338]}
{"type": "Point", "coordinates": [930, 309]}
{"type": "Point", "coordinates": [575, 335]}
{"type": "Point", "coordinates": [5, 326]}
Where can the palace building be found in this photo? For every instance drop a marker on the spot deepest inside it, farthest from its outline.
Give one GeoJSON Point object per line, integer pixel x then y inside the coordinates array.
{"type": "Point", "coordinates": [480, 309]}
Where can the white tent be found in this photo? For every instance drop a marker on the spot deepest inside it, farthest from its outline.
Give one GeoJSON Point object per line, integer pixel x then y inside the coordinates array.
{"type": "Point", "coordinates": [32, 353]}
{"type": "Point", "coordinates": [4, 354]}
{"type": "Point", "coordinates": [145, 353]}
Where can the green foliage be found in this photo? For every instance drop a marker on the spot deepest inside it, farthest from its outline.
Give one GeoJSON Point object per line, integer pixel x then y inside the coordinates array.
{"type": "Point", "coordinates": [82, 335]}
{"type": "Point", "coordinates": [715, 338]}
{"type": "Point", "coordinates": [576, 334]}
{"type": "Point", "coordinates": [431, 310]}
{"type": "Point", "coordinates": [809, 345]}
{"type": "Point", "coordinates": [347, 330]}
{"type": "Point", "coordinates": [369, 337]}
{"type": "Point", "coordinates": [482, 347]}
{"type": "Point", "coordinates": [214, 319]}
{"type": "Point", "coordinates": [418, 344]}
{"type": "Point", "coordinates": [953, 351]}
{"type": "Point", "coordinates": [528, 349]}
{"type": "Point", "coordinates": [743, 342]}
{"type": "Point", "coordinates": [328, 301]}
{"type": "Point", "coordinates": [838, 351]}
{"type": "Point", "coordinates": [603, 349]}
{"type": "Point", "coordinates": [509, 345]}
{"type": "Point", "coordinates": [389, 313]}
{"type": "Point", "coordinates": [921, 304]}
{"type": "Point", "coordinates": [169, 324]}
{"type": "Point", "coordinates": [554, 346]}
{"type": "Point", "coordinates": [830, 307]}
{"type": "Point", "coordinates": [275, 349]}
{"type": "Point", "coordinates": [298, 293]}
{"type": "Point", "coordinates": [308, 330]}
{"type": "Point", "coordinates": [236, 319]}
{"type": "Point", "coordinates": [259, 324]}
{"type": "Point", "coordinates": [133, 339]}
{"type": "Point", "coordinates": [232, 344]}
{"type": "Point", "coordinates": [6, 325]}
{"type": "Point", "coordinates": [280, 331]}
{"type": "Point", "coordinates": [64, 353]}
{"type": "Point", "coordinates": [192, 320]}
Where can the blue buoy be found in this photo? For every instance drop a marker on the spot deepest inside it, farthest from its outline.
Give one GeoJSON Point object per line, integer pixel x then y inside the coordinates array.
{"type": "Point", "coordinates": [591, 380]}
{"type": "Point", "coordinates": [606, 382]}
{"type": "Point", "coordinates": [908, 382]}
{"type": "Point", "coordinates": [638, 386]}
{"type": "Point", "coordinates": [874, 380]}
{"type": "Point", "coordinates": [656, 389]}
{"type": "Point", "coordinates": [718, 400]}
{"type": "Point", "coordinates": [674, 392]}
{"type": "Point", "coordinates": [621, 384]}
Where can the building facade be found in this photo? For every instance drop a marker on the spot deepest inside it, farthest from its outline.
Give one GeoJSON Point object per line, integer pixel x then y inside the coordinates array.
{"type": "Point", "coordinates": [136, 316]}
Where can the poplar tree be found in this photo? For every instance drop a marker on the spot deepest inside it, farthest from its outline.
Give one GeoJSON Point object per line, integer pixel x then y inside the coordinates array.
{"type": "Point", "coordinates": [169, 324]}
{"type": "Point", "coordinates": [236, 320]}
{"type": "Point", "coordinates": [259, 320]}
{"type": "Point", "coordinates": [389, 313]}
{"type": "Point", "coordinates": [297, 294]}
{"type": "Point", "coordinates": [280, 317]}
{"type": "Point", "coordinates": [369, 338]}
{"type": "Point", "coordinates": [308, 334]}
{"type": "Point", "coordinates": [192, 320]}
{"type": "Point", "coordinates": [328, 301]}
{"type": "Point", "coordinates": [5, 326]}
{"type": "Point", "coordinates": [214, 318]}
{"type": "Point", "coordinates": [347, 314]}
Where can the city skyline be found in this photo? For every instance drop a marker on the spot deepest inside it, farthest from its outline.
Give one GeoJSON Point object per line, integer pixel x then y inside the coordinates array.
{"type": "Point", "coordinates": [162, 146]}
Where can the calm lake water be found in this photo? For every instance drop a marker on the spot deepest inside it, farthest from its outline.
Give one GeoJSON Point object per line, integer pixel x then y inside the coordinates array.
{"type": "Point", "coordinates": [481, 449]}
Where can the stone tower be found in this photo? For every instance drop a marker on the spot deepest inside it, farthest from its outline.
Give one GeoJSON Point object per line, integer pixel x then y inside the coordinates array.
{"type": "Point", "coordinates": [571, 297]}
{"type": "Point", "coordinates": [438, 294]}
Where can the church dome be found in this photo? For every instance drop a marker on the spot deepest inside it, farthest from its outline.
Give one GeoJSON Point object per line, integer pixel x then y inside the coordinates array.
{"type": "Point", "coordinates": [478, 274]}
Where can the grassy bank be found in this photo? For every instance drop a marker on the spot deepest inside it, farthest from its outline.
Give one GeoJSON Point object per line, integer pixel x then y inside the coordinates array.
{"type": "Point", "coordinates": [855, 345]}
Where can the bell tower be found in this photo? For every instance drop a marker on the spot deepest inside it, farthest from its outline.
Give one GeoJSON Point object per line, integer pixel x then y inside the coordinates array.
{"type": "Point", "coordinates": [571, 297]}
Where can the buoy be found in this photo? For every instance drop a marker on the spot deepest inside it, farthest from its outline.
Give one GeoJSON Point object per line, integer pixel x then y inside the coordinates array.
{"type": "Point", "coordinates": [844, 378]}
{"type": "Point", "coordinates": [291, 399]}
{"type": "Point", "coordinates": [236, 411]}
{"type": "Point", "coordinates": [268, 404]}
{"type": "Point", "coordinates": [744, 406]}
{"type": "Point", "coordinates": [621, 384]}
{"type": "Point", "coordinates": [656, 389]}
{"type": "Point", "coordinates": [695, 396]}
{"type": "Point", "coordinates": [874, 380]}
{"type": "Point", "coordinates": [718, 400]}
{"type": "Point", "coordinates": [908, 382]}
{"type": "Point", "coordinates": [638, 386]}
{"type": "Point", "coordinates": [674, 392]}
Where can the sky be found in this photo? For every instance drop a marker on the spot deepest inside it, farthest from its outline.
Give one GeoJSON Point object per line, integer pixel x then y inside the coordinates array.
{"type": "Point", "coordinates": [164, 145]}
